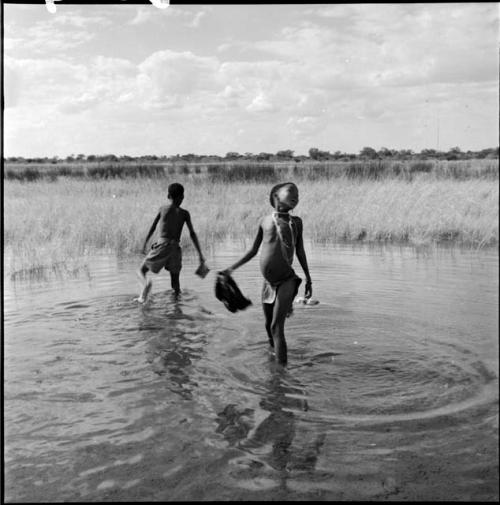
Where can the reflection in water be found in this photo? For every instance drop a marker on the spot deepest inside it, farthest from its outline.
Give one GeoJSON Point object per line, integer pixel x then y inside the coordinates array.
{"type": "Point", "coordinates": [107, 400]}
{"type": "Point", "coordinates": [175, 340]}
{"type": "Point", "coordinates": [271, 446]}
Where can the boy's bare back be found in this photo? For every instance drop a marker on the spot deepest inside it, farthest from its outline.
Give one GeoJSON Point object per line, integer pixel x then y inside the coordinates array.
{"type": "Point", "coordinates": [171, 221]}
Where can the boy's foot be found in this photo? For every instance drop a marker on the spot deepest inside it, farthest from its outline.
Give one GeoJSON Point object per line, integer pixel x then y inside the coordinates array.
{"type": "Point", "coordinates": [145, 292]}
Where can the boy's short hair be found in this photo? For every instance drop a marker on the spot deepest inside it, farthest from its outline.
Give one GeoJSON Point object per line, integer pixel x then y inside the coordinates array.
{"type": "Point", "coordinates": [175, 190]}
{"type": "Point", "coordinates": [276, 189]}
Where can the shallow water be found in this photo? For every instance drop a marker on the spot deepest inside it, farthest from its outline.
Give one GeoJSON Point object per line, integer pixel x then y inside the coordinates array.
{"type": "Point", "coordinates": [391, 391]}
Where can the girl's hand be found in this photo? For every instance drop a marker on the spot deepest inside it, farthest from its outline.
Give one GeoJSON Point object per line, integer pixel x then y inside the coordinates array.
{"type": "Point", "coordinates": [309, 291]}
{"type": "Point", "coordinates": [227, 271]}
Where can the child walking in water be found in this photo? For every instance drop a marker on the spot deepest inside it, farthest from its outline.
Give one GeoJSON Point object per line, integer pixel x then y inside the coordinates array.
{"type": "Point", "coordinates": [281, 237]}
{"type": "Point", "coordinates": [166, 251]}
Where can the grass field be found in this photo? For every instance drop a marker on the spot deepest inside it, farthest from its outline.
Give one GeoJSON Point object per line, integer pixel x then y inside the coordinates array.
{"type": "Point", "coordinates": [48, 223]}
{"type": "Point", "coordinates": [248, 171]}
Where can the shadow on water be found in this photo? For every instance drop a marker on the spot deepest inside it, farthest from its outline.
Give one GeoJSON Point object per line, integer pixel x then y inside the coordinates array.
{"type": "Point", "coordinates": [175, 331]}
{"type": "Point", "coordinates": [267, 436]}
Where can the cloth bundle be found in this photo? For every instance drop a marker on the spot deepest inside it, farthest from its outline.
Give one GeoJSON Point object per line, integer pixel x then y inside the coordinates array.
{"type": "Point", "coordinates": [227, 291]}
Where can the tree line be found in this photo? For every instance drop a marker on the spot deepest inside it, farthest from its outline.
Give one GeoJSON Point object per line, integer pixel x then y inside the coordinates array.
{"type": "Point", "coordinates": [314, 154]}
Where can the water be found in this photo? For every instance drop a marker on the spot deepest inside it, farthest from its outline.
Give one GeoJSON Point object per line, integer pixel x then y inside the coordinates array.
{"type": "Point", "coordinates": [391, 390]}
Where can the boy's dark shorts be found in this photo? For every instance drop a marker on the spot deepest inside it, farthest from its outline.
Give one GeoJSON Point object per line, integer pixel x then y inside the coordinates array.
{"type": "Point", "coordinates": [164, 253]}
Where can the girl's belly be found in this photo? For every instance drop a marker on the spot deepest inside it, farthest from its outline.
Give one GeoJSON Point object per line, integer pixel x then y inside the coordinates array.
{"type": "Point", "coordinates": [273, 265]}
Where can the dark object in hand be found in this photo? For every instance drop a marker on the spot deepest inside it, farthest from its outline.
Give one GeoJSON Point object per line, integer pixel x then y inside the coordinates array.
{"type": "Point", "coordinates": [227, 291]}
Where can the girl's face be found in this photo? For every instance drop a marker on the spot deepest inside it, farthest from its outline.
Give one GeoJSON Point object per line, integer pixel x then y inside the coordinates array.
{"type": "Point", "coordinates": [288, 196]}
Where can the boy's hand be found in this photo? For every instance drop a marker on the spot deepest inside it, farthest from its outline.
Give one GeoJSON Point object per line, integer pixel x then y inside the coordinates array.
{"type": "Point", "coordinates": [308, 291]}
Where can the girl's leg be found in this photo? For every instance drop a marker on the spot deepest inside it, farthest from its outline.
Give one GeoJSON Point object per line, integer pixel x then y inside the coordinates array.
{"type": "Point", "coordinates": [268, 314]}
{"type": "Point", "coordinates": [284, 300]}
{"type": "Point", "coordinates": [146, 284]}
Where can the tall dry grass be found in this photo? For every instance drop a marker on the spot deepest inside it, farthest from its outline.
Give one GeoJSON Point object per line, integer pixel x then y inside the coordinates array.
{"type": "Point", "coordinates": [252, 171]}
{"type": "Point", "coordinates": [46, 223]}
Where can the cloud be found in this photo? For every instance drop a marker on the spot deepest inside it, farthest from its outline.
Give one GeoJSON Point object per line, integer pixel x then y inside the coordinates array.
{"type": "Point", "coordinates": [260, 103]}
{"type": "Point", "coordinates": [195, 22]}
{"type": "Point", "coordinates": [326, 76]}
{"type": "Point", "coordinates": [143, 15]}
{"type": "Point", "coordinates": [189, 17]}
{"type": "Point", "coordinates": [182, 73]}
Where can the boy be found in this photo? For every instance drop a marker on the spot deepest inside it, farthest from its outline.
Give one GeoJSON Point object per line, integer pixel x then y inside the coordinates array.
{"type": "Point", "coordinates": [281, 236]}
{"type": "Point", "coordinates": [166, 251]}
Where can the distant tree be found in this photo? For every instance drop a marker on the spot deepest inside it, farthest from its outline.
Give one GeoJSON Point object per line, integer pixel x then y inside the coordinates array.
{"type": "Point", "coordinates": [91, 157]}
{"type": "Point", "coordinates": [404, 154]}
{"type": "Point", "coordinates": [286, 154]}
{"type": "Point", "coordinates": [264, 156]}
{"type": "Point", "coordinates": [384, 152]}
{"type": "Point", "coordinates": [80, 157]}
{"type": "Point", "coordinates": [428, 154]}
{"type": "Point", "coordinates": [314, 153]}
{"type": "Point", "coordinates": [368, 153]}
{"type": "Point", "coordinates": [232, 155]}
{"type": "Point", "coordinates": [318, 155]}
{"type": "Point", "coordinates": [455, 153]}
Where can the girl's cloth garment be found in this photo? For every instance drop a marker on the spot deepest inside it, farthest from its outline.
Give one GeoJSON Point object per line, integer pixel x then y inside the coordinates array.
{"type": "Point", "coordinates": [227, 291]}
{"type": "Point", "coordinates": [269, 290]}
{"type": "Point", "coordinates": [165, 253]}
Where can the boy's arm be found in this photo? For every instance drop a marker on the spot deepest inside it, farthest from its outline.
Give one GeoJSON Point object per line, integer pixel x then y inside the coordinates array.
{"type": "Point", "coordinates": [301, 255]}
{"type": "Point", "coordinates": [194, 237]}
{"type": "Point", "coordinates": [151, 231]}
{"type": "Point", "coordinates": [250, 254]}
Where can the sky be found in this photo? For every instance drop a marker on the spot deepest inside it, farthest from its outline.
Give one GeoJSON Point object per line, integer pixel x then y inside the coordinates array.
{"type": "Point", "coordinates": [137, 79]}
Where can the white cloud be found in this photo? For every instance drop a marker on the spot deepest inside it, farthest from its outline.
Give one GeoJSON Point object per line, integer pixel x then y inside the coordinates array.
{"type": "Point", "coordinates": [195, 22]}
{"type": "Point", "coordinates": [143, 15]}
{"type": "Point", "coordinates": [181, 73]}
{"type": "Point", "coordinates": [260, 103]}
{"type": "Point", "coordinates": [332, 76]}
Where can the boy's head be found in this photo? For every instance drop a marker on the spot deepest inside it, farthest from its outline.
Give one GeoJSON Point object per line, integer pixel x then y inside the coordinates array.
{"type": "Point", "coordinates": [285, 196]}
{"type": "Point", "coordinates": [176, 192]}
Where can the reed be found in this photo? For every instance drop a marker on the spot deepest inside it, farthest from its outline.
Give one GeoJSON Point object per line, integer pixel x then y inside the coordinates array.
{"type": "Point", "coordinates": [46, 223]}
{"type": "Point", "coordinates": [248, 171]}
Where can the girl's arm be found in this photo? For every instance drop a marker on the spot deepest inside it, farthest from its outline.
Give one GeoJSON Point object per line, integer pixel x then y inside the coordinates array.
{"type": "Point", "coordinates": [250, 254]}
{"type": "Point", "coordinates": [301, 255]}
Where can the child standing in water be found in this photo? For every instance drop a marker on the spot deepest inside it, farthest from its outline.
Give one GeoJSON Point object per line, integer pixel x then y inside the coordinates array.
{"type": "Point", "coordinates": [166, 251]}
{"type": "Point", "coordinates": [281, 237]}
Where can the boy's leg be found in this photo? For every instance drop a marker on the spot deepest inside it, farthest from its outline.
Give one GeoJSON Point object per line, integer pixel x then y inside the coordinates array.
{"type": "Point", "coordinates": [175, 282]}
{"type": "Point", "coordinates": [268, 315]}
{"type": "Point", "coordinates": [146, 284]}
{"type": "Point", "coordinates": [284, 299]}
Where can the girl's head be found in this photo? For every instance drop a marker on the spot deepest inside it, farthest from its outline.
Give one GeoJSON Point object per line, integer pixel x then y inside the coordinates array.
{"type": "Point", "coordinates": [285, 196]}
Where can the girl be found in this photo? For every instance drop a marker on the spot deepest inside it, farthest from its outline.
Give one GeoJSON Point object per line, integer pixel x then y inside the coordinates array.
{"type": "Point", "coordinates": [281, 236]}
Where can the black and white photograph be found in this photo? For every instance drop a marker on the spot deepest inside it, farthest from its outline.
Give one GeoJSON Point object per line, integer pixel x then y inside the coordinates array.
{"type": "Point", "coordinates": [250, 251]}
